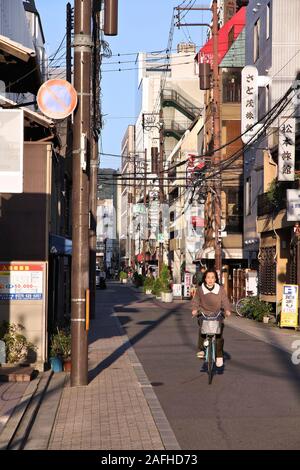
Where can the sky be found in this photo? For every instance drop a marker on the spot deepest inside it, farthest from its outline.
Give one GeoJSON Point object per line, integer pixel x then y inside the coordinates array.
{"type": "Point", "coordinates": [144, 25]}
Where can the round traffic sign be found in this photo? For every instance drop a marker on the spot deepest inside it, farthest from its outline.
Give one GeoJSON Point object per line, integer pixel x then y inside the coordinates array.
{"type": "Point", "coordinates": [57, 99]}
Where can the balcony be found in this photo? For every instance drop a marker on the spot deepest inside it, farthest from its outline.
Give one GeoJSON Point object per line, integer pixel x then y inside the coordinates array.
{"type": "Point", "coordinates": [173, 129]}
{"type": "Point", "coordinates": [174, 99]}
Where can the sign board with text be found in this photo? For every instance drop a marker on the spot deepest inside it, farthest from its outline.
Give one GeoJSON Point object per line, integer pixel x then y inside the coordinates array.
{"type": "Point", "coordinates": [187, 285]}
{"type": "Point", "coordinates": [24, 295]}
{"type": "Point", "coordinates": [21, 282]}
{"type": "Point", "coordinates": [249, 112]}
{"type": "Point", "coordinates": [293, 205]}
{"type": "Point", "coordinates": [286, 149]}
{"type": "Point", "coordinates": [289, 310]}
{"type": "Point", "coordinates": [177, 290]}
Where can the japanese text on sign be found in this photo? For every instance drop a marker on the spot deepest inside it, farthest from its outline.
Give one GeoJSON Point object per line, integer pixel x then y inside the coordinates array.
{"type": "Point", "coordinates": [249, 102]}
{"type": "Point", "coordinates": [286, 157]}
{"type": "Point", "coordinates": [21, 282]}
{"type": "Point", "coordinates": [289, 312]}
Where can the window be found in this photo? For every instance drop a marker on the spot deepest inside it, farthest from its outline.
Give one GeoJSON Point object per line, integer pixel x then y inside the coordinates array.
{"type": "Point", "coordinates": [234, 210]}
{"type": "Point", "coordinates": [267, 271]}
{"type": "Point", "coordinates": [231, 85]}
{"type": "Point", "coordinates": [256, 35]}
{"type": "Point", "coordinates": [248, 196]}
{"type": "Point", "coordinates": [268, 19]}
{"type": "Point", "coordinates": [268, 98]}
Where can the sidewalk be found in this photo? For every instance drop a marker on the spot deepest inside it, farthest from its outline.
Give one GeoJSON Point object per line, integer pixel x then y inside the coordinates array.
{"type": "Point", "coordinates": [282, 338]}
{"type": "Point", "coordinates": [118, 409]}
{"type": "Point", "coordinates": [10, 396]}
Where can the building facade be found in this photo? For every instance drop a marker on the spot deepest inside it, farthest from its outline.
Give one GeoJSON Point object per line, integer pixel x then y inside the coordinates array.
{"type": "Point", "coordinates": [272, 45]}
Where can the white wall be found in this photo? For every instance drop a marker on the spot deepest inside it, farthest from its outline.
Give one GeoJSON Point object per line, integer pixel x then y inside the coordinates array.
{"type": "Point", "coordinates": [13, 22]}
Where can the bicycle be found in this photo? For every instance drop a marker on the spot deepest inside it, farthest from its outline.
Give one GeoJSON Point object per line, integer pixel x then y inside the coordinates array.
{"type": "Point", "coordinates": [240, 309]}
{"type": "Point", "coordinates": [210, 327]}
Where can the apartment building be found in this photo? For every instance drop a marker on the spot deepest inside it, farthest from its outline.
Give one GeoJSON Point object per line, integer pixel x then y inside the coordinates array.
{"type": "Point", "coordinates": [272, 46]}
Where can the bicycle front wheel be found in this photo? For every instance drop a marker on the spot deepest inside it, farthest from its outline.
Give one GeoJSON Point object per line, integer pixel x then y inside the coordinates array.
{"type": "Point", "coordinates": [210, 360]}
{"type": "Point", "coordinates": [240, 307]}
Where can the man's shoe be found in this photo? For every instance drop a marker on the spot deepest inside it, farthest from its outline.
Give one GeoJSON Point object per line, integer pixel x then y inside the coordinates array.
{"type": "Point", "coordinates": [219, 362]}
{"type": "Point", "coordinates": [200, 354]}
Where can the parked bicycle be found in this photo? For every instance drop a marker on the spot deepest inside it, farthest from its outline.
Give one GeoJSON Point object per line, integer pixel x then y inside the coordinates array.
{"type": "Point", "coordinates": [210, 327]}
{"type": "Point", "coordinates": [240, 305]}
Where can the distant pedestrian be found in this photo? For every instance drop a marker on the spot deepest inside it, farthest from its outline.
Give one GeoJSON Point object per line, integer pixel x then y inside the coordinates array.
{"type": "Point", "coordinates": [198, 276]}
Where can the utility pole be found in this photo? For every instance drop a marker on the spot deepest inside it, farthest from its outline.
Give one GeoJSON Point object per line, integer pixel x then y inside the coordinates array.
{"type": "Point", "coordinates": [216, 139]}
{"type": "Point", "coordinates": [80, 195]}
{"type": "Point", "coordinates": [161, 184]}
{"type": "Point", "coordinates": [133, 202]}
{"type": "Point", "coordinates": [68, 161]}
{"type": "Point", "coordinates": [94, 157]}
{"type": "Point", "coordinates": [145, 203]}
{"type": "Point", "coordinates": [69, 45]}
{"type": "Point", "coordinates": [216, 121]}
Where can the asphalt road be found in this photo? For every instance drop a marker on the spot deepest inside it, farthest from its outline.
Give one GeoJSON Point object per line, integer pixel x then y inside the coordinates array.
{"type": "Point", "coordinates": [254, 404]}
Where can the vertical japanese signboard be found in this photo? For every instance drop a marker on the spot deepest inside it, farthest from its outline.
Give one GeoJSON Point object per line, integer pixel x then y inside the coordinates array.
{"type": "Point", "coordinates": [187, 285]}
{"type": "Point", "coordinates": [249, 102]}
{"type": "Point", "coordinates": [286, 155]}
{"type": "Point", "coordinates": [289, 311]}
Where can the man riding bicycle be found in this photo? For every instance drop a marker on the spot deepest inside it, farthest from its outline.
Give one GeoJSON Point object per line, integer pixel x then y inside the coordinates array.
{"type": "Point", "coordinates": [210, 298]}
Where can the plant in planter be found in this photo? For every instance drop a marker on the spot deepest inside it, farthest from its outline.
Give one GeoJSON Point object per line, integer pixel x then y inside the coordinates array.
{"type": "Point", "coordinates": [123, 277]}
{"type": "Point", "coordinates": [16, 345]}
{"type": "Point", "coordinates": [157, 288]}
{"type": "Point", "coordinates": [148, 285]}
{"type": "Point", "coordinates": [61, 348]}
{"type": "Point", "coordinates": [167, 294]}
{"type": "Point", "coordinates": [138, 280]}
{"type": "Point", "coordinates": [276, 193]}
{"type": "Point", "coordinates": [257, 309]}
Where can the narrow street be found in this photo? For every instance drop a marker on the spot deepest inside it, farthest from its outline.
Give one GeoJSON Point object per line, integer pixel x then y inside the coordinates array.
{"type": "Point", "coordinates": [255, 404]}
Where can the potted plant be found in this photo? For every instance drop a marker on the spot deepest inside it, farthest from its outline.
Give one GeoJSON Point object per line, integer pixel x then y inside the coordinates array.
{"type": "Point", "coordinates": [138, 280]}
{"type": "Point", "coordinates": [123, 277]}
{"type": "Point", "coordinates": [257, 309]}
{"type": "Point", "coordinates": [167, 294]}
{"type": "Point", "coordinates": [17, 348]}
{"type": "Point", "coordinates": [157, 288]}
{"type": "Point", "coordinates": [148, 285]}
{"type": "Point", "coordinates": [61, 349]}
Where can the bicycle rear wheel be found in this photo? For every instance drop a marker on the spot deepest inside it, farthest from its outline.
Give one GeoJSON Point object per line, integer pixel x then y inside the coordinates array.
{"type": "Point", "coordinates": [210, 360]}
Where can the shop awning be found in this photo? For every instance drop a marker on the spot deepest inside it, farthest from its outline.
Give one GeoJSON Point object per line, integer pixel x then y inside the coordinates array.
{"type": "Point", "coordinates": [227, 34]}
{"type": "Point", "coordinates": [227, 253]}
{"type": "Point", "coordinates": [19, 67]}
{"type": "Point", "coordinates": [60, 245]}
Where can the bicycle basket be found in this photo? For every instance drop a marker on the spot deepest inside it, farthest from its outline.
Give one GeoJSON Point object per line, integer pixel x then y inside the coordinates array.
{"type": "Point", "coordinates": [210, 327]}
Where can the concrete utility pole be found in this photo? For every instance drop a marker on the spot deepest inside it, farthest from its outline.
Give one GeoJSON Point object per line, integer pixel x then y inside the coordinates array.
{"type": "Point", "coordinates": [145, 204]}
{"type": "Point", "coordinates": [216, 122]}
{"type": "Point", "coordinates": [216, 139]}
{"type": "Point", "coordinates": [161, 184]}
{"type": "Point", "coordinates": [80, 202]}
{"type": "Point", "coordinates": [94, 164]}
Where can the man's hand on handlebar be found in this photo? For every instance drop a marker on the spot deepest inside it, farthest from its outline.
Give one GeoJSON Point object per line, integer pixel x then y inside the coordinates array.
{"type": "Point", "coordinates": [194, 313]}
